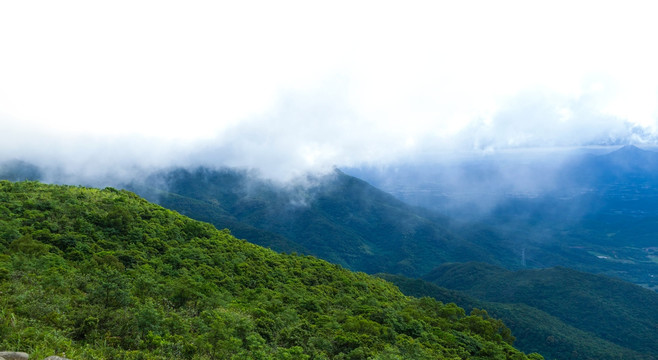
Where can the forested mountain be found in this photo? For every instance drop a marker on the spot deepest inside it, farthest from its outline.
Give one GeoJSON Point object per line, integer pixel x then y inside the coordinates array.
{"type": "Point", "coordinates": [103, 274]}
{"type": "Point", "coordinates": [611, 309]}
{"type": "Point", "coordinates": [336, 217]}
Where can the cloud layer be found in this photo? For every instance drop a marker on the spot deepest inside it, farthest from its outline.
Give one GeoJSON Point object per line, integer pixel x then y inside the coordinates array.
{"type": "Point", "coordinates": [294, 86]}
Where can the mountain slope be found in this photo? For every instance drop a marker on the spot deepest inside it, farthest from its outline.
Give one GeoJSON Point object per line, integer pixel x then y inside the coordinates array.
{"type": "Point", "coordinates": [103, 274]}
{"type": "Point", "coordinates": [535, 330]}
{"type": "Point", "coordinates": [614, 310]}
{"type": "Point", "coordinates": [336, 217]}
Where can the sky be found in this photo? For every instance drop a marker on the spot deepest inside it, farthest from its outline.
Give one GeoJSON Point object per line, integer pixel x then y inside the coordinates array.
{"type": "Point", "coordinates": [292, 86]}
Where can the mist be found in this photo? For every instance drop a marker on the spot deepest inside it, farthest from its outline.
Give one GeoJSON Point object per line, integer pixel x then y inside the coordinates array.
{"type": "Point", "coordinates": [316, 131]}
{"type": "Point", "coordinates": [517, 153]}
{"type": "Point", "coordinates": [284, 92]}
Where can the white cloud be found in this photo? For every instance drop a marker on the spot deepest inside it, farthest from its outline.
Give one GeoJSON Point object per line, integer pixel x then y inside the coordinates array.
{"type": "Point", "coordinates": [301, 85]}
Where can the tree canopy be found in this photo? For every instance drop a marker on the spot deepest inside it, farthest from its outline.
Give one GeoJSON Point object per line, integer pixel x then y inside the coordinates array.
{"type": "Point", "coordinates": [104, 274]}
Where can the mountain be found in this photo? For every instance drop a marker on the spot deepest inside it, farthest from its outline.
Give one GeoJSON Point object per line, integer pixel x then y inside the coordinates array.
{"type": "Point", "coordinates": [534, 329]}
{"type": "Point", "coordinates": [613, 310]}
{"type": "Point", "coordinates": [336, 217]}
{"type": "Point", "coordinates": [626, 164]}
{"type": "Point", "coordinates": [104, 274]}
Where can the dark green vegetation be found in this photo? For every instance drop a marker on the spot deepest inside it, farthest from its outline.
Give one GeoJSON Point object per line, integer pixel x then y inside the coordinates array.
{"type": "Point", "coordinates": [535, 330]}
{"type": "Point", "coordinates": [336, 217]}
{"type": "Point", "coordinates": [600, 307]}
{"type": "Point", "coordinates": [105, 274]}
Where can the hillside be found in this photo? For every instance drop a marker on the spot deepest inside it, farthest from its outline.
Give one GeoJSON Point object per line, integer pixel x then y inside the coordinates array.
{"type": "Point", "coordinates": [534, 329]}
{"type": "Point", "coordinates": [336, 217]}
{"type": "Point", "coordinates": [613, 310]}
{"type": "Point", "coordinates": [103, 274]}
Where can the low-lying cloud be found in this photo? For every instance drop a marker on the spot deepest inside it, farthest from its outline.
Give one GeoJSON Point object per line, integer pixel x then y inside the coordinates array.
{"type": "Point", "coordinates": [315, 131]}
{"type": "Point", "coordinates": [298, 87]}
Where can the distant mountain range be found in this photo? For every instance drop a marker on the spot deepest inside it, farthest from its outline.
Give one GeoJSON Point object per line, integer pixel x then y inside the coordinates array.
{"type": "Point", "coordinates": [628, 164]}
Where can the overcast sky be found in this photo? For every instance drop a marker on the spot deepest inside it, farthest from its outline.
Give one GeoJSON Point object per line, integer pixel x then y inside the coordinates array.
{"type": "Point", "coordinates": [302, 85]}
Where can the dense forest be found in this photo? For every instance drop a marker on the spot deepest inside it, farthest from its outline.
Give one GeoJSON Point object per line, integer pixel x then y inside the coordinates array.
{"type": "Point", "coordinates": [104, 274]}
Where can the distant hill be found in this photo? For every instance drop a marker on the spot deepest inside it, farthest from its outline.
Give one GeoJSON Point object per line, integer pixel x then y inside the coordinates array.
{"type": "Point", "coordinates": [613, 310]}
{"type": "Point", "coordinates": [103, 274]}
{"type": "Point", "coordinates": [336, 217]}
{"type": "Point", "coordinates": [628, 164]}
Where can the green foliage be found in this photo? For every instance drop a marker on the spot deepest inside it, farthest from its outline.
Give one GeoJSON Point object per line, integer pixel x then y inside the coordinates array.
{"type": "Point", "coordinates": [535, 330]}
{"type": "Point", "coordinates": [600, 307]}
{"type": "Point", "coordinates": [103, 274]}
